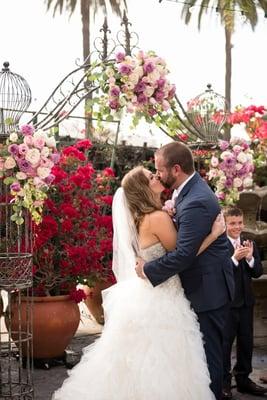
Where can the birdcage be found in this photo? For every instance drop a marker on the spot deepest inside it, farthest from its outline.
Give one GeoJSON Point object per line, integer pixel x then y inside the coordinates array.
{"type": "Point", "coordinates": [15, 262]}
{"type": "Point", "coordinates": [15, 98]}
{"type": "Point", "coordinates": [207, 113]}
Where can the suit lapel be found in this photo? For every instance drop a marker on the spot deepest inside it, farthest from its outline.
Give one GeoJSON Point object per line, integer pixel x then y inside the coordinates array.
{"type": "Point", "coordinates": [186, 188]}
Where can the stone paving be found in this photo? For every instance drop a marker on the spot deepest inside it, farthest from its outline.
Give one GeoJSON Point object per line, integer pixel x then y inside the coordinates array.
{"type": "Point", "coordinates": [47, 381]}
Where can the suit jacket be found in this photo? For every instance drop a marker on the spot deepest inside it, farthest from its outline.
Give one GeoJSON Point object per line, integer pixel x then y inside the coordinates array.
{"type": "Point", "coordinates": [242, 274]}
{"type": "Point", "coordinates": [207, 278]}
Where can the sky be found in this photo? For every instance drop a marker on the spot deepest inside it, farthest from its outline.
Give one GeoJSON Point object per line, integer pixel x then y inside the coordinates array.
{"type": "Point", "coordinates": [44, 49]}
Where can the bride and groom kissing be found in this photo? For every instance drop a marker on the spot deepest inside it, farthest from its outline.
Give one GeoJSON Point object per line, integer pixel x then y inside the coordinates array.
{"type": "Point", "coordinates": [165, 316]}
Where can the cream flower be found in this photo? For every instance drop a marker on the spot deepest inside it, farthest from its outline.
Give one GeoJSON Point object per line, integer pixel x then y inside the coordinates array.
{"type": "Point", "coordinates": [33, 156]}
{"type": "Point", "coordinates": [13, 137]}
{"type": "Point", "coordinates": [242, 157]}
{"type": "Point", "coordinates": [10, 163]}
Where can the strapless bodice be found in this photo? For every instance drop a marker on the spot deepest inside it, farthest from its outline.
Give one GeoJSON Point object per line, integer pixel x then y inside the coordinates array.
{"type": "Point", "coordinates": [152, 252]}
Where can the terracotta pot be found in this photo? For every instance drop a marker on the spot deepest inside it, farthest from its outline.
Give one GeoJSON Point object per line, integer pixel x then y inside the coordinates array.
{"type": "Point", "coordinates": [94, 300]}
{"type": "Point", "coordinates": [55, 321]}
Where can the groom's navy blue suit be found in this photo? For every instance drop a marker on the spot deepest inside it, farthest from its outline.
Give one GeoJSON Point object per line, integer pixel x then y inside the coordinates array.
{"type": "Point", "coordinates": [207, 279]}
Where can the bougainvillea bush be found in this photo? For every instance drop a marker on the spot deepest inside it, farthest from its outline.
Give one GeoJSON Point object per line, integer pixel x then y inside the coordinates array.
{"type": "Point", "coordinates": [73, 243]}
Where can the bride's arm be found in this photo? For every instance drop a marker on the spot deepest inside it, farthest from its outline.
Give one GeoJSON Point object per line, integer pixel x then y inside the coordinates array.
{"type": "Point", "coordinates": [217, 229]}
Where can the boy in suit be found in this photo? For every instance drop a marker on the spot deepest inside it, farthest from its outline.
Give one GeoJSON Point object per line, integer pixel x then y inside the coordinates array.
{"type": "Point", "coordinates": [246, 264]}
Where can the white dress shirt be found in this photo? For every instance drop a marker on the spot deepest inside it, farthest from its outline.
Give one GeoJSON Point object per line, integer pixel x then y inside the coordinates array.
{"type": "Point", "coordinates": [177, 191]}
{"type": "Point", "coordinates": [235, 243]}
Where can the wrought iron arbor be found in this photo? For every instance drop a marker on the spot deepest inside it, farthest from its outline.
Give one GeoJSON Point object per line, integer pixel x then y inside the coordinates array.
{"type": "Point", "coordinates": [203, 121]}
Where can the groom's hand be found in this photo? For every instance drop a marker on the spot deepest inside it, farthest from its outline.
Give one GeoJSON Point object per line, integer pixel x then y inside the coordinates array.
{"type": "Point", "coordinates": [139, 269]}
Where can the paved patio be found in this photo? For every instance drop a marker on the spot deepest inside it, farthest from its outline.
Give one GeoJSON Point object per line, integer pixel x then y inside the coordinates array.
{"type": "Point", "coordinates": [47, 381]}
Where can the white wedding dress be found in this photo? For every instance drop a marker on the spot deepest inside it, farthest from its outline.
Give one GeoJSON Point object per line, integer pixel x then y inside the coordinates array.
{"type": "Point", "coordinates": [150, 348]}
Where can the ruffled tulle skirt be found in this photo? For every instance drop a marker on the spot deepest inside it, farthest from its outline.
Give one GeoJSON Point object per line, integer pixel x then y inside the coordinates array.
{"type": "Point", "coordinates": [150, 349]}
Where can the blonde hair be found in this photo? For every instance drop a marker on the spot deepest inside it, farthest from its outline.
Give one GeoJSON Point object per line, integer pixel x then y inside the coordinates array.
{"type": "Point", "coordinates": [140, 198]}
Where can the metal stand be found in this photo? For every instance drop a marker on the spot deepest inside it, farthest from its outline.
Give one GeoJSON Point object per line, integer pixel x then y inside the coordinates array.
{"type": "Point", "coordinates": [15, 305]}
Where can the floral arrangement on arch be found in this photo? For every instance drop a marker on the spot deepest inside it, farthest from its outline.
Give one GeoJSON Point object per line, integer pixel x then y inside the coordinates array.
{"type": "Point", "coordinates": [138, 84]}
{"type": "Point", "coordinates": [26, 162]}
{"type": "Point", "coordinates": [73, 243]}
{"type": "Point", "coordinates": [231, 170]}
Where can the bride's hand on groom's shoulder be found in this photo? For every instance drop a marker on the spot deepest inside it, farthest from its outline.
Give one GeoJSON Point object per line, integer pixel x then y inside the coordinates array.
{"type": "Point", "coordinates": [139, 268]}
{"type": "Point", "coordinates": [218, 227]}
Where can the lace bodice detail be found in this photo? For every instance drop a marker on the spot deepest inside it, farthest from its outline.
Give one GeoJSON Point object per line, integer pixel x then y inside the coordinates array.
{"type": "Point", "coordinates": [152, 252]}
{"type": "Point", "coordinates": [155, 251]}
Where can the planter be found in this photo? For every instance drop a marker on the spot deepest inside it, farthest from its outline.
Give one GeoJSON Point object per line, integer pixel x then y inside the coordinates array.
{"type": "Point", "coordinates": [94, 300]}
{"type": "Point", "coordinates": [55, 320]}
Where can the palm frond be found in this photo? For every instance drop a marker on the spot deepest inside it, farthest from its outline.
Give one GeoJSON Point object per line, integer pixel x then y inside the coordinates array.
{"type": "Point", "coordinates": [185, 13]}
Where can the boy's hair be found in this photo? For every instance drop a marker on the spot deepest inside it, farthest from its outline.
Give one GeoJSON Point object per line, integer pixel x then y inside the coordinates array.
{"type": "Point", "coordinates": [232, 211]}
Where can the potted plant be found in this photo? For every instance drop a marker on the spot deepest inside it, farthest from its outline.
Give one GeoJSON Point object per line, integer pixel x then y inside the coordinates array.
{"type": "Point", "coordinates": [72, 244]}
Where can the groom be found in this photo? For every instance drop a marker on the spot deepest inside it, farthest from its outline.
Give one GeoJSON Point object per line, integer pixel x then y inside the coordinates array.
{"type": "Point", "coordinates": [207, 279]}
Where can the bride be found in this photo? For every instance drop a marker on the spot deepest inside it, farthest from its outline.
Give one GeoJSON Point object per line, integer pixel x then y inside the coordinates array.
{"type": "Point", "coordinates": [151, 346]}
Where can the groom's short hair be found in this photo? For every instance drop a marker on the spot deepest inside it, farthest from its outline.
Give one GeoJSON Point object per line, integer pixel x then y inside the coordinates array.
{"type": "Point", "coordinates": [177, 153]}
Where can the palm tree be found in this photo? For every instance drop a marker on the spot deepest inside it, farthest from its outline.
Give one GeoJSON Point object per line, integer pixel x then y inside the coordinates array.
{"type": "Point", "coordinates": [86, 7]}
{"type": "Point", "coordinates": [228, 11]}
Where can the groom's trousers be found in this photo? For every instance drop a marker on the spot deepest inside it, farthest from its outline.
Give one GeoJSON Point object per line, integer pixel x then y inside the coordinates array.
{"type": "Point", "coordinates": [212, 324]}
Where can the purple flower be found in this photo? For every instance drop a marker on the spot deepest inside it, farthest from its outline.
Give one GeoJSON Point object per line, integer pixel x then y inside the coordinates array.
{"type": "Point", "coordinates": [120, 56]}
{"type": "Point", "coordinates": [13, 149]}
{"type": "Point", "coordinates": [114, 104]}
{"type": "Point", "coordinates": [229, 182]}
{"type": "Point", "coordinates": [125, 69]}
{"type": "Point", "coordinates": [24, 166]}
{"type": "Point", "coordinates": [161, 82]}
{"type": "Point", "coordinates": [223, 145]}
{"type": "Point", "coordinates": [148, 67]}
{"type": "Point", "coordinates": [152, 111]}
{"type": "Point", "coordinates": [140, 87]}
{"type": "Point", "coordinates": [15, 187]}
{"type": "Point", "coordinates": [171, 92]}
{"type": "Point", "coordinates": [49, 179]}
{"type": "Point", "coordinates": [229, 162]}
{"type": "Point", "coordinates": [159, 95]}
{"type": "Point", "coordinates": [115, 91]}
{"type": "Point", "coordinates": [55, 157]}
{"type": "Point", "coordinates": [27, 130]}
{"type": "Point", "coordinates": [141, 98]}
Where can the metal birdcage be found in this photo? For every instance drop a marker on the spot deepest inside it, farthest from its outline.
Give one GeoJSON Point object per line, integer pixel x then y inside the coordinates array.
{"type": "Point", "coordinates": [207, 113]}
{"type": "Point", "coordinates": [15, 98]}
{"type": "Point", "coordinates": [15, 314]}
{"type": "Point", "coordinates": [15, 261]}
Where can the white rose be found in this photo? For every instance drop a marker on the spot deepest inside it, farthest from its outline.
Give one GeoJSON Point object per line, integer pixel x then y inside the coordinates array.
{"type": "Point", "coordinates": [248, 182]}
{"type": "Point", "coordinates": [21, 175]}
{"type": "Point", "coordinates": [13, 137]}
{"type": "Point", "coordinates": [237, 148]}
{"type": "Point", "coordinates": [237, 182]}
{"type": "Point", "coordinates": [225, 154]}
{"type": "Point", "coordinates": [154, 75]}
{"type": "Point", "coordinates": [50, 141]}
{"type": "Point", "coordinates": [43, 172]}
{"type": "Point", "coordinates": [133, 78]}
{"type": "Point", "coordinates": [45, 152]}
{"type": "Point", "coordinates": [148, 91]}
{"type": "Point", "coordinates": [110, 72]}
{"type": "Point", "coordinates": [249, 156]}
{"type": "Point", "coordinates": [33, 156]}
{"type": "Point", "coordinates": [238, 166]}
{"type": "Point", "coordinates": [40, 134]}
{"type": "Point", "coordinates": [214, 161]}
{"type": "Point", "coordinates": [242, 157]}
{"type": "Point", "coordinates": [10, 163]}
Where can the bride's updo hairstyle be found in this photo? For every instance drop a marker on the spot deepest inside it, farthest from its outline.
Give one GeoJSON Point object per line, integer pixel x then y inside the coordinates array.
{"type": "Point", "coordinates": [140, 198]}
